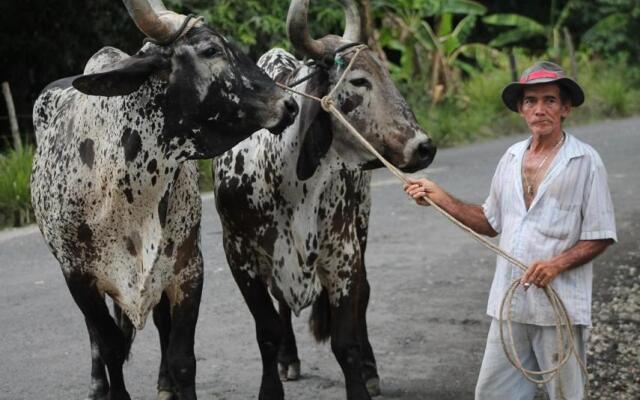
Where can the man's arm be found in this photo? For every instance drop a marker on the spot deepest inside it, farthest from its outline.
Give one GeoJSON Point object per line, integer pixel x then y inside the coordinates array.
{"type": "Point", "coordinates": [541, 273]}
{"type": "Point", "coordinates": [471, 215]}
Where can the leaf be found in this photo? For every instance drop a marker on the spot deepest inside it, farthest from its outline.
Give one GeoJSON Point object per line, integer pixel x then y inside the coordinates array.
{"type": "Point", "coordinates": [513, 36]}
{"type": "Point", "coordinates": [464, 7]}
{"type": "Point", "coordinates": [520, 21]}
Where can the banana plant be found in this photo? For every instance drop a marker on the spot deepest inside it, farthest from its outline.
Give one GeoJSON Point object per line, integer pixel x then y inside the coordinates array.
{"type": "Point", "coordinates": [525, 28]}
{"type": "Point", "coordinates": [432, 47]}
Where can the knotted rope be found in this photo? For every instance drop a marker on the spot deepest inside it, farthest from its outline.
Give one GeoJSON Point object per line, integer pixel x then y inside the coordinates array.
{"type": "Point", "coordinates": [564, 328]}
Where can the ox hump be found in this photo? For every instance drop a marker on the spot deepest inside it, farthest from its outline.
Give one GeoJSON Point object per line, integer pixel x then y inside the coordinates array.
{"type": "Point", "coordinates": [279, 64]}
{"type": "Point", "coordinates": [103, 59]}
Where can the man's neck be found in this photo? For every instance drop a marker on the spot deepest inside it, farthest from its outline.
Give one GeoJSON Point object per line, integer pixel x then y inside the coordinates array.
{"type": "Point", "coordinates": [544, 143]}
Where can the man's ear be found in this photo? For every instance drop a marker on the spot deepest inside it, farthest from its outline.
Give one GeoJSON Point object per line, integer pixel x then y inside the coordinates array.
{"type": "Point", "coordinates": [125, 78]}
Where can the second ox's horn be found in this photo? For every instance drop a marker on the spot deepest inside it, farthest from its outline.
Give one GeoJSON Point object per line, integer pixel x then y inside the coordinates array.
{"type": "Point", "coordinates": [298, 30]}
{"type": "Point", "coordinates": [154, 20]}
{"type": "Point", "coordinates": [298, 27]}
{"type": "Point", "coordinates": [353, 24]}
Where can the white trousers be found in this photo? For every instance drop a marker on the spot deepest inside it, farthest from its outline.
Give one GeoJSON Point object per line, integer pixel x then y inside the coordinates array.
{"type": "Point", "coordinates": [537, 349]}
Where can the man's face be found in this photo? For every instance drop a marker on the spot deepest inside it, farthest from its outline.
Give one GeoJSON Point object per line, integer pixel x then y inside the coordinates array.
{"type": "Point", "coordinates": [542, 109]}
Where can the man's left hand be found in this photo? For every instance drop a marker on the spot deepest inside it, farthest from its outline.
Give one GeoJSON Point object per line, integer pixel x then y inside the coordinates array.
{"type": "Point", "coordinates": [540, 273]}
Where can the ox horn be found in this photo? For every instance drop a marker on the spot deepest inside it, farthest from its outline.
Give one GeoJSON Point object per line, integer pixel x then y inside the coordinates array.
{"type": "Point", "coordinates": [298, 30]}
{"type": "Point", "coordinates": [154, 20]}
{"type": "Point", "coordinates": [353, 24]}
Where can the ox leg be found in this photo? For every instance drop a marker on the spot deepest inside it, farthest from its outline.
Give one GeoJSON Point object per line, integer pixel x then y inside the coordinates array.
{"type": "Point", "coordinates": [369, 367]}
{"type": "Point", "coordinates": [162, 321]}
{"type": "Point", "coordinates": [288, 361]}
{"type": "Point", "coordinates": [99, 383]}
{"type": "Point", "coordinates": [268, 332]}
{"type": "Point", "coordinates": [110, 340]}
{"type": "Point", "coordinates": [346, 345]}
{"type": "Point", "coordinates": [180, 356]}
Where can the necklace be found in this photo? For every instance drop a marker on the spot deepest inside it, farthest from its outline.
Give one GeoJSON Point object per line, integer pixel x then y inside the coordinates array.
{"type": "Point", "coordinates": [529, 186]}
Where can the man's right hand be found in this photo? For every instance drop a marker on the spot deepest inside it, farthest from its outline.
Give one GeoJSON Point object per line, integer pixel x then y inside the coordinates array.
{"type": "Point", "coordinates": [418, 188]}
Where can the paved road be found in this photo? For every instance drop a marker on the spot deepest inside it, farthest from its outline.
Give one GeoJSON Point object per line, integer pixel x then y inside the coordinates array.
{"type": "Point", "coordinates": [427, 322]}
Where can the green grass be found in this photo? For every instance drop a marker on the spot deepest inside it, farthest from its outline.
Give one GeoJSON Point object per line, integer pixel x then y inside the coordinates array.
{"type": "Point", "coordinates": [15, 194]}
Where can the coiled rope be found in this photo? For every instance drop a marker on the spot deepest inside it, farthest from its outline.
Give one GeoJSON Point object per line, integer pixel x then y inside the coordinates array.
{"type": "Point", "coordinates": [564, 327]}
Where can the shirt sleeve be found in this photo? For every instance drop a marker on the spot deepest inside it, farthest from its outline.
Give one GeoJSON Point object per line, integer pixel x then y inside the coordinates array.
{"type": "Point", "coordinates": [598, 220]}
{"type": "Point", "coordinates": [491, 207]}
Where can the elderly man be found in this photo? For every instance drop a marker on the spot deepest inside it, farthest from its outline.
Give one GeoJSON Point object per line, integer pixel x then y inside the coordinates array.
{"type": "Point", "coordinates": [550, 202]}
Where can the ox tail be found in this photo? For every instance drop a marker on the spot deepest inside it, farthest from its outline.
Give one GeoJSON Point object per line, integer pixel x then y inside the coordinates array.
{"type": "Point", "coordinates": [320, 318]}
{"type": "Point", "coordinates": [127, 328]}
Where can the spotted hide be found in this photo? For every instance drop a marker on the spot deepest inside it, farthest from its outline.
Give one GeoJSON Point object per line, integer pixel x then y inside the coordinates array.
{"type": "Point", "coordinates": [115, 192]}
{"type": "Point", "coordinates": [295, 210]}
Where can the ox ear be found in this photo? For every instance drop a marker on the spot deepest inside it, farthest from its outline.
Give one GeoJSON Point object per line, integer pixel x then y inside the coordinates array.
{"type": "Point", "coordinates": [317, 140]}
{"type": "Point", "coordinates": [125, 78]}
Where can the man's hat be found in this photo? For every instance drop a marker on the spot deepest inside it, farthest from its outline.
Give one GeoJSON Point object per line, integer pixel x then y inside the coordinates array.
{"type": "Point", "coordinates": [541, 72]}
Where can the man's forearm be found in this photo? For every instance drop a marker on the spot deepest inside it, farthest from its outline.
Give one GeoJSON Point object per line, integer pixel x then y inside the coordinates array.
{"type": "Point", "coordinates": [581, 253]}
{"type": "Point", "coordinates": [472, 215]}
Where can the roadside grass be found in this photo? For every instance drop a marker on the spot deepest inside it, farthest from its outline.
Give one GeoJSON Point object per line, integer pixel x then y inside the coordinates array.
{"type": "Point", "coordinates": [15, 194]}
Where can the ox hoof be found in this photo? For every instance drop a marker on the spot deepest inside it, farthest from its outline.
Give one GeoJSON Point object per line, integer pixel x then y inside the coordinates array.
{"type": "Point", "coordinates": [165, 395]}
{"type": "Point", "coordinates": [289, 372]}
{"type": "Point", "coordinates": [373, 386]}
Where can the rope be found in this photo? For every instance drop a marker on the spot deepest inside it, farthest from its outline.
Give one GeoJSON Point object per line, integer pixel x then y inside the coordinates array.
{"type": "Point", "coordinates": [564, 327]}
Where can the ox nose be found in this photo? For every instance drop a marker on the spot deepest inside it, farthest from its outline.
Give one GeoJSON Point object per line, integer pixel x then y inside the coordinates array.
{"type": "Point", "coordinates": [426, 152]}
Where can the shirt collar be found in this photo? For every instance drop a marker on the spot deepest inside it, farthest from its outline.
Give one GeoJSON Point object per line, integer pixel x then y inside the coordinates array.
{"type": "Point", "coordinates": [569, 149]}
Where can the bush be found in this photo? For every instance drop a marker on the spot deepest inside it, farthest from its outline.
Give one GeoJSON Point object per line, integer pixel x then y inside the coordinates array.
{"type": "Point", "coordinates": [15, 193]}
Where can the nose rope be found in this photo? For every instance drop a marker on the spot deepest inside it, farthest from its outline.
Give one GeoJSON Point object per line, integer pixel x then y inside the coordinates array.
{"type": "Point", "coordinates": [563, 324]}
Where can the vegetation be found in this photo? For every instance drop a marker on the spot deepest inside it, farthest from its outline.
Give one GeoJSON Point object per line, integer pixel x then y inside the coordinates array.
{"type": "Point", "coordinates": [450, 58]}
{"type": "Point", "coordinates": [15, 196]}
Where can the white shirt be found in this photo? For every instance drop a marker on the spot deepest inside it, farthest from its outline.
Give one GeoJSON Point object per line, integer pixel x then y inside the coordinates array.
{"type": "Point", "coordinates": [572, 203]}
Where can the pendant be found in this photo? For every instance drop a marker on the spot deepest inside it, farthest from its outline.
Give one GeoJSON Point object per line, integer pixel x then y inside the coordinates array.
{"type": "Point", "coordinates": [530, 190]}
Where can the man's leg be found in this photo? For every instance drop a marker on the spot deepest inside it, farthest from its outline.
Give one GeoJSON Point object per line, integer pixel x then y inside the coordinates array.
{"type": "Point", "coordinates": [569, 383]}
{"type": "Point", "coordinates": [498, 379]}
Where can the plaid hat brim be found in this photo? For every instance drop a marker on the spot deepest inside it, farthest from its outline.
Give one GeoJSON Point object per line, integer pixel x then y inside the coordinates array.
{"type": "Point", "coordinates": [512, 93]}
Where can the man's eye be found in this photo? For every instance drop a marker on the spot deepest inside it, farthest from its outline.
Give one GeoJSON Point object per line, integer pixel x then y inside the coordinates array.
{"type": "Point", "coordinates": [209, 52]}
{"type": "Point", "coordinates": [360, 82]}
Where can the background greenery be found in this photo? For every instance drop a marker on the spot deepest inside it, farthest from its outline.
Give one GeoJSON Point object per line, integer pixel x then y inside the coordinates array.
{"type": "Point", "coordinates": [450, 58]}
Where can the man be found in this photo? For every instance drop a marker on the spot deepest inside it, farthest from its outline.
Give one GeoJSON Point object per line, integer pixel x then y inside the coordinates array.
{"type": "Point", "coordinates": [550, 202]}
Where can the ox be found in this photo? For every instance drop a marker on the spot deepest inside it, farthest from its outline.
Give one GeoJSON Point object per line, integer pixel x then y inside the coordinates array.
{"type": "Point", "coordinates": [294, 208]}
{"type": "Point", "coordinates": [115, 193]}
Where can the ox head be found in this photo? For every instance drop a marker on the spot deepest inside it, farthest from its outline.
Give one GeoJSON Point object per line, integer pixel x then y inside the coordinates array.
{"type": "Point", "coordinates": [367, 96]}
{"type": "Point", "coordinates": [215, 95]}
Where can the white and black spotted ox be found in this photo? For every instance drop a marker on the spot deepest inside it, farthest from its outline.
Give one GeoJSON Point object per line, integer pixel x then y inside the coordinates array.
{"type": "Point", "coordinates": [295, 208]}
{"type": "Point", "coordinates": [116, 195]}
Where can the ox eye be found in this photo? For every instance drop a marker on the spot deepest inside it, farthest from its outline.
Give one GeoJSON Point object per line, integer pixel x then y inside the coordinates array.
{"type": "Point", "coordinates": [361, 82]}
{"type": "Point", "coordinates": [209, 52]}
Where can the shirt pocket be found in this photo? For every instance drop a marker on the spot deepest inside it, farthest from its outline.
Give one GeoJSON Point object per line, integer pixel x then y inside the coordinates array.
{"type": "Point", "coordinates": [561, 220]}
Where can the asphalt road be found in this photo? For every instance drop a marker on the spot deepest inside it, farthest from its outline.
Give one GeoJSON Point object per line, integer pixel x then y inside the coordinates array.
{"type": "Point", "coordinates": [427, 313]}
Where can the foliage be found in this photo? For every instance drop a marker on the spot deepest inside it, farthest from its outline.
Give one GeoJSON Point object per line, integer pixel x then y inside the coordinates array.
{"type": "Point", "coordinates": [258, 25]}
{"type": "Point", "coordinates": [614, 26]}
{"type": "Point", "coordinates": [15, 193]}
{"type": "Point", "coordinates": [431, 35]}
{"type": "Point", "coordinates": [523, 27]}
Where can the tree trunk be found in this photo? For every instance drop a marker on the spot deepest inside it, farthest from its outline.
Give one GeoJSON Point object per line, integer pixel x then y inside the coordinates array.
{"type": "Point", "coordinates": [370, 36]}
{"type": "Point", "coordinates": [514, 67]}
{"type": "Point", "coordinates": [572, 55]}
{"type": "Point", "coordinates": [13, 120]}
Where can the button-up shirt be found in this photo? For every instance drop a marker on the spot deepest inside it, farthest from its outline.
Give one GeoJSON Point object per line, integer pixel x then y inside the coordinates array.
{"type": "Point", "coordinates": [572, 203]}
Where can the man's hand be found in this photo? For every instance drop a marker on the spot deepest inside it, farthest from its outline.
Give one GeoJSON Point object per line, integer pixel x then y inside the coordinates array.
{"type": "Point", "coordinates": [540, 273]}
{"type": "Point", "coordinates": [418, 188]}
